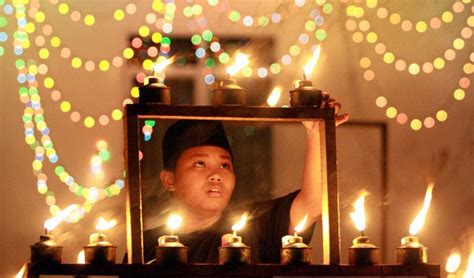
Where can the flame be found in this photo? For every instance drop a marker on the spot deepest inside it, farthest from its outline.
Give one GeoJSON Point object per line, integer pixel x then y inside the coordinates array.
{"type": "Point", "coordinates": [417, 224]}
{"type": "Point", "coordinates": [174, 221]}
{"type": "Point", "coordinates": [239, 225]}
{"type": "Point", "coordinates": [104, 225]}
{"type": "Point", "coordinates": [453, 262]}
{"type": "Point", "coordinates": [22, 271]}
{"type": "Point", "coordinates": [51, 223]}
{"type": "Point", "coordinates": [301, 225]}
{"type": "Point", "coordinates": [81, 257]}
{"type": "Point", "coordinates": [274, 96]}
{"type": "Point", "coordinates": [241, 60]}
{"type": "Point", "coordinates": [358, 216]}
{"type": "Point", "coordinates": [162, 63]}
{"type": "Point", "coordinates": [469, 273]}
{"type": "Point", "coordinates": [308, 68]}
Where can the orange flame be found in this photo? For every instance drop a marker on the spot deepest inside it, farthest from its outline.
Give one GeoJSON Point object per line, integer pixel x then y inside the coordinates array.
{"type": "Point", "coordinates": [274, 96]}
{"type": "Point", "coordinates": [105, 225]}
{"type": "Point", "coordinates": [419, 220]}
{"type": "Point", "coordinates": [308, 68]}
{"type": "Point", "coordinates": [174, 221]}
{"type": "Point", "coordinates": [241, 60]}
{"type": "Point", "coordinates": [469, 273]}
{"type": "Point", "coordinates": [239, 225]}
{"type": "Point", "coordinates": [81, 257]}
{"type": "Point", "coordinates": [358, 216]}
{"type": "Point", "coordinates": [302, 224]}
{"type": "Point", "coordinates": [21, 273]}
{"type": "Point", "coordinates": [53, 222]}
{"type": "Point", "coordinates": [453, 262]}
{"type": "Point", "coordinates": [162, 63]}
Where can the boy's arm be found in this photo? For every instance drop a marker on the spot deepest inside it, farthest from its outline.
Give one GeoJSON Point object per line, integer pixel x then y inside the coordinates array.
{"type": "Point", "coordinates": [308, 200]}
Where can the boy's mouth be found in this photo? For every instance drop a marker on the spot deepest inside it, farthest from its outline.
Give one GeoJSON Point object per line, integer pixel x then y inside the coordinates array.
{"type": "Point", "coordinates": [214, 192]}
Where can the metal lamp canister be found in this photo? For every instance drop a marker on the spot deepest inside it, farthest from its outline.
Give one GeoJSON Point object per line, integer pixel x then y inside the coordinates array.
{"type": "Point", "coordinates": [46, 251]}
{"type": "Point", "coordinates": [362, 252]}
{"type": "Point", "coordinates": [411, 251]}
{"type": "Point", "coordinates": [169, 250]}
{"type": "Point", "coordinates": [233, 250]}
{"type": "Point", "coordinates": [304, 94]}
{"type": "Point", "coordinates": [229, 93]}
{"type": "Point", "coordinates": [155, 92]}
{"type": "Point", "coordinates": [99, 250]}
{"type": "Point", "coordinates": [294, 251]}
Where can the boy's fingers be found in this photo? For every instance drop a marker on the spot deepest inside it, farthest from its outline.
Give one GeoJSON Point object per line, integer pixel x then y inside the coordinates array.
{"type": "Point", "coordinates": [340, 119]}
{"type": "Point", "coordinates": [337, 107]}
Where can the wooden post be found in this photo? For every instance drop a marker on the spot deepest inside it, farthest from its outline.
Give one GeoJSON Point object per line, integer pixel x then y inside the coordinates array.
{"type": "Point", "coordinates": [330, 202]}
{"type": "Point", "coordinates": [133, 187]}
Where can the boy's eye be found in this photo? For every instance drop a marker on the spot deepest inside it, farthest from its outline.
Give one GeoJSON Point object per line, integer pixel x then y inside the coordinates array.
{"type": "Point", "coordinates": [199, 164]}
{"type": "Point", "coordinates": [226, 166]}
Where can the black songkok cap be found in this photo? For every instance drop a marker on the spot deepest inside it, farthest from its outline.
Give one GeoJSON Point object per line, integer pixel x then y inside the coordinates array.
{"type": "Point", "coordinates": [186, 134]}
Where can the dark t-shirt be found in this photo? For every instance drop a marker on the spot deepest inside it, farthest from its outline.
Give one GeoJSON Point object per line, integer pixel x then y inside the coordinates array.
{"type": "Point", "coordinates": [268, 223]}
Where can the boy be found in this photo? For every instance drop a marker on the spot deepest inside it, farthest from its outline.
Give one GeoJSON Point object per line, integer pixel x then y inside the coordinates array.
{"type": "Point", "coordinates": [198, 172]}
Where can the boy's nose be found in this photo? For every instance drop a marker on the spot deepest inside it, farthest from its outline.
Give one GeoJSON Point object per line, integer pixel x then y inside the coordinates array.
{"type": "Point", "coordinates": [215, 177]}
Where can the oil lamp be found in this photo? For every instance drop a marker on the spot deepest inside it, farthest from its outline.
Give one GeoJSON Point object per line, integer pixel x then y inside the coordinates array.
{"type": "Point", "coordinates": [99, 250]}
{"type": "Point", "coordinates": [46, 250]}
{"type": "Point", "coordinates": [169, 249]}
{"type": "Point", "coordinates": [303, 93]}
{"type": "Point", "coordinates": [412, 251]}
{"type": "Point", "coordinates": [155, 91]}
{"type": "Point", "coordinates": [294, 251]}
{"type": "Point", "coordinates": [452, 264]}
{"type": "Point", "coordinates": [229, 92]}
{"type": "Point", "coordinates": [362, 252]}
{"type": "Point", "coordinates": [233, 250]}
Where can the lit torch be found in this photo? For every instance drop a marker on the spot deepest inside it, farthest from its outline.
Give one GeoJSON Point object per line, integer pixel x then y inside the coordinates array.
{"type": "Point", "coordinates": [412, 251]}
{"type": "Point", "coordinates": [233, 250]}
{"type": "Point", "coordinates": [362, 252]}
{"type": "Point", "coordinates": [294, 251]}
{"type": "Point", "coordinates": [155, 91]}
{"type": "Point", "coordinates": [169, 250]}
{"type": "Point", "coordinates": [99, 250]}
{"type": "Point", "coordinates": [229, 92]}
{"type": "Point", "coordinates": [303, 93]}
{"type": "Point", "coordinates": [46, 250]}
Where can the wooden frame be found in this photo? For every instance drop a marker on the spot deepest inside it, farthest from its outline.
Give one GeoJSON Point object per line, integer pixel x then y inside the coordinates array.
{"type": "Point", "coordinates": [135, 112]}
{"type": "Point", "coordinates": [331, 237]}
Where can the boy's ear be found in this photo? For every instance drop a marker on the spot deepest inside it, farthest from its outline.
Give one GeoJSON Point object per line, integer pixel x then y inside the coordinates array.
{"type": "Point", "coordinates": [167, 178]}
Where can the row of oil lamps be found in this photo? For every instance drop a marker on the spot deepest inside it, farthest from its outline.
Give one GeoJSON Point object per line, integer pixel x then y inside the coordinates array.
{"type": "Point", "coordinates": [229, 92]}
{"type": "Point", "coordinates": [233, 250]}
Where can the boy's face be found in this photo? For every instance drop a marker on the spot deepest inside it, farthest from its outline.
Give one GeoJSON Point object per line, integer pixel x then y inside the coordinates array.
{"type": "Point", "coordinates": [203, 179]}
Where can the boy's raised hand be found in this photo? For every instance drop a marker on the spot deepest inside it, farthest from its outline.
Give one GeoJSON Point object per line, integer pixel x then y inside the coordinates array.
{"type": "Point", "coordinates": [331, 103]}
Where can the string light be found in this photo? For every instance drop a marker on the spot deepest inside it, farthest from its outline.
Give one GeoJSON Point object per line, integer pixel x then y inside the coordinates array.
{"type": "Point", "coordinates": [89, 20]}
{"type": "Point", "coordinates": [33, 117]}
{"type": "Point", "coordinates": [389, 57]}
{"type": "Point", "coordinates": [420, 26]}
{"type": "Point", "coordinates": [428, 122]}
{"type": "Point", "coordinates": [37, 133]}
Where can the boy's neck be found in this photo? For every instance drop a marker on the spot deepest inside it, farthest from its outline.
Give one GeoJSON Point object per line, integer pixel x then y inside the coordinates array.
{"type": "Point", "coordinates": [195, 220]}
